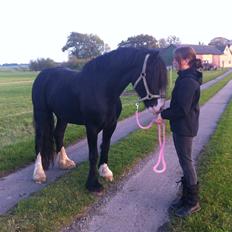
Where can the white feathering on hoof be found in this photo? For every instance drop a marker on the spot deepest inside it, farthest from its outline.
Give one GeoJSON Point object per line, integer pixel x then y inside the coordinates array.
{"type": "Point", "coordinates": [105, 172]}
{"type": "Point", "coordinates": [39, 174]}
{"type": "Point", "coordinates": [64, 161]}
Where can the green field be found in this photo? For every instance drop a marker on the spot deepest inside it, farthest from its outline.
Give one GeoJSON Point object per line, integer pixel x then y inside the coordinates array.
{"type": "Point", "coordinates": [16, 131]}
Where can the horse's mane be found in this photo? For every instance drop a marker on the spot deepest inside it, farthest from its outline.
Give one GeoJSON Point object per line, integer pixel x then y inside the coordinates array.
{"type": "Point", "coordinates": [127, 56]}
{"type": "Point", "coordinates": [118, 57]}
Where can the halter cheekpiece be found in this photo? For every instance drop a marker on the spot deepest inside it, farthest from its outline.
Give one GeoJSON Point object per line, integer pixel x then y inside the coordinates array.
{"type": "Point", "coordinates": [142, 76]}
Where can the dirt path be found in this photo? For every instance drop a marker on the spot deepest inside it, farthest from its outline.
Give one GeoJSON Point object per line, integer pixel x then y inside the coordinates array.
{"type": "Point", "coordinates": [19, 185]}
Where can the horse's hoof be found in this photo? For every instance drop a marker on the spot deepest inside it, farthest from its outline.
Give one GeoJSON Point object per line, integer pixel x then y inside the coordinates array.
{"type": "Point", "coordinates": [109, 178]}
{"type": "Point", "coordinates": [39, 179]}
{"type": "Point", "coordinates": [105, 172]}
{"type": "Point", "coordinates": [68, 164]}
{"type": "Point", "coordinates": [95, 188]}
{"type": "Point", "coordinates": [98, 193]}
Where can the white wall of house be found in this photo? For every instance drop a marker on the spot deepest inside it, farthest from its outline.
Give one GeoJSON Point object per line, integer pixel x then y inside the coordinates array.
{"type": "Point", "coordinates": [207, 58]}
{"type": "Point", "coordinates": [226, 58]}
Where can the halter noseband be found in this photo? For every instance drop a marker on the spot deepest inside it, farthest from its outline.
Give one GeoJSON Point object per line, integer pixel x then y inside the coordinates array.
{"type": "Point", "coordinates": [142, 76]}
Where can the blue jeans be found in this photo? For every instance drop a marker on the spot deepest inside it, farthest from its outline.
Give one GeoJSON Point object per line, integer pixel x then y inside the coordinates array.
{"type": "Point", "coordinates": [183, 147]}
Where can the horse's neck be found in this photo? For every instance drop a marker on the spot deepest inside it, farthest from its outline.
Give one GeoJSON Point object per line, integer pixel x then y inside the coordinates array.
{"type": "Point", "coordinates": [120, 82]}
{"type": "Point", "coordinates": [113, 79]}
{"type": "Point", "coordinates": [123, 70]}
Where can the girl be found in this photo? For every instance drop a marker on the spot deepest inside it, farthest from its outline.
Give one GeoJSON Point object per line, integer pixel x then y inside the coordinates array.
{"type": "Point", "coordinates": [183, 115]}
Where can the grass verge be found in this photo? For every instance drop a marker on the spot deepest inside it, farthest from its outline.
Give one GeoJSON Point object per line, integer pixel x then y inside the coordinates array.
{"type": "Point", "coordinates": [208, 93]}
{"type": "Point", "coordinates": [215, 179]}
{"type": "Point", "coordinates": [209, 75]}
{"type": "Point", "coordinates": [66, 199]}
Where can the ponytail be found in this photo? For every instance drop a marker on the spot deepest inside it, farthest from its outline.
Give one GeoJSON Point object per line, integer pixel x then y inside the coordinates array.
{"type": "Point", "coordinates": [196, 63]}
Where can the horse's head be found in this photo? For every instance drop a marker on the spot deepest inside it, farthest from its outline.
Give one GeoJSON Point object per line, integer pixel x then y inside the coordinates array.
{"type": "Point", "coordinates": [152, 82]}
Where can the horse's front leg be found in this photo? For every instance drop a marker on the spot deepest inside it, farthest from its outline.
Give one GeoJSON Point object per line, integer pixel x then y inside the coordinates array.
{"type": "Point", "coordinates": [104, 170]}
{"type": "Point", "coordinates": [92, 183]}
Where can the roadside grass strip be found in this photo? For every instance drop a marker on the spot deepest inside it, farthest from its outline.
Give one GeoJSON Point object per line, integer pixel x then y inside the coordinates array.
{"type": "Point", "coordinates": [209, 75]}
{"type": "Point", "coordinates": [67, 199]}
{"type": "Point", "coordinates": [215, 165]}
{"type": "Point", "coordinates": [208, 93]}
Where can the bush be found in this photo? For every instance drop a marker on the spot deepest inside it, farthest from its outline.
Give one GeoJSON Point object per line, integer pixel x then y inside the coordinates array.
{"type": "Point", "coordinates": [75, 63]}
{"type": "Point", "coordinates": [41, 63]}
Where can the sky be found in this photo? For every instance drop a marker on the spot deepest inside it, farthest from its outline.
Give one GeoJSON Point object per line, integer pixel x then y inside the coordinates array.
{"type": "Point", "coordinates": [32, 29]}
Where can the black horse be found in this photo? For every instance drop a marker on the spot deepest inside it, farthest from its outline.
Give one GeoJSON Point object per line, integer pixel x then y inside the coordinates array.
{"type": "Point", "coordinates": [91, 98]}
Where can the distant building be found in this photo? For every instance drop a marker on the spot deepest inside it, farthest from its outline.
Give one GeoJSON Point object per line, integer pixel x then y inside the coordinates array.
{"type": "Point", "coordinates": [207, 53]}
{"type": "Point", "coordinates": [7, 66]}
{"type": "Point", "coordinates": [226, 57]}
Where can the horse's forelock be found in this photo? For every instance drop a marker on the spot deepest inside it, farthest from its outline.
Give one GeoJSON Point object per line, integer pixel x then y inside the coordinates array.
{"type": "Point", "coordinates": [162, 72]}
{"type": "Point", "coordinates": [157, 73]}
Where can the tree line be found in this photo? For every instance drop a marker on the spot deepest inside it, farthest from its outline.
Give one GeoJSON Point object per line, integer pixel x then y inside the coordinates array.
{"type": "Point", "coordinates": [83, 47]}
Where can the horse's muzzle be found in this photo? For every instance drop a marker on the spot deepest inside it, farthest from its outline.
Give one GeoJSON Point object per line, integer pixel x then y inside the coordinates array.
{"type": "Point", "coordinates": [158, 107]}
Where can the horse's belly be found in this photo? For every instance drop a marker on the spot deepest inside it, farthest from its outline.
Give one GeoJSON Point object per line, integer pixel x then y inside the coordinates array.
{"type": "Point", "coordinates": [70, 117]}
{"type": "Point", "coordinates": [77, 121]}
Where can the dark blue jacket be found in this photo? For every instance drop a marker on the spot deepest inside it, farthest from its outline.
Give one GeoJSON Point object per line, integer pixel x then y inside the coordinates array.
{"type": "Point", "coordinates": [184, 109]}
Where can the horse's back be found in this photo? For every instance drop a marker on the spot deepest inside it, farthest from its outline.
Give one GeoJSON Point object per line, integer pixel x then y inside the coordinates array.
{"type": "Point", "coordinates": [54, 75]}
{"type": "Point", "coordinates": [52, 83]}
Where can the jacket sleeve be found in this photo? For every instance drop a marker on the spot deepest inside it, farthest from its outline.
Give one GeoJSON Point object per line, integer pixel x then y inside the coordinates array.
{"type": "Point", "coordinates": [183, 99]}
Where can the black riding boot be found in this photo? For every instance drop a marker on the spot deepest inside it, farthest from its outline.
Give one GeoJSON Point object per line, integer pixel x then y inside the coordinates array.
{"type": "Point", "coordinates": [178, 203]}
{"type": "Point", "coordinates": [191, 201]}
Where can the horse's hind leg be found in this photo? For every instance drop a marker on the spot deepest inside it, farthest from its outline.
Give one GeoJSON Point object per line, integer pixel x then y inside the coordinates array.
{"type": "Point", "coordinates": [63, 160]}
{"type": "Point", "coordinates": [43, 122]}
{"type": "Point", "coordinates": [104, 170]}
{"type": "Point", "coordinates": [92, 183]}
{"type": "Point", "coordinates": [39, 175]}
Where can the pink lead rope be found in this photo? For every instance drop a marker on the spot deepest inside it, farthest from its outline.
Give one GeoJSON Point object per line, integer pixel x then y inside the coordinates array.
{"type": "Point", "coordinates": [161, 152]}
{"type": "Point", "coordinates": [161, 134]}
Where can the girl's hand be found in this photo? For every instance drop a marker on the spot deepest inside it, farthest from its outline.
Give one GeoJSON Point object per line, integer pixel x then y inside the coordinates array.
{"type": "Point", "coordinates": [159, 119]}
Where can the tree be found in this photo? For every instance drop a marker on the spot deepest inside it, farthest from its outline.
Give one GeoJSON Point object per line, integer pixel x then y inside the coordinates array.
{"type": "Point", "coordinates": [219, 42]}
{"type": "Point", "coordinates": [74, 63]}
{"type": "Point", "coordinates": [172, 39]}
{"type": "Point", "coordinates": [41, 63]}
{"type": "Point", "coordinates": [162, 43]}
{"type": "Point", "coordinates": [84, 46]}
{"type": "Point", "coordinates": [146, 41]}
